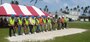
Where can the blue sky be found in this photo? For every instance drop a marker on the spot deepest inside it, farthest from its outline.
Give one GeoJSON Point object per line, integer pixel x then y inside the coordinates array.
{"type": "Point", "coordinates": [53, 5]}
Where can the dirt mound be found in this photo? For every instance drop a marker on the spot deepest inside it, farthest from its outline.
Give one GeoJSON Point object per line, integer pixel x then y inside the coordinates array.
{"type": "Point", "coordinates": [45, 35]}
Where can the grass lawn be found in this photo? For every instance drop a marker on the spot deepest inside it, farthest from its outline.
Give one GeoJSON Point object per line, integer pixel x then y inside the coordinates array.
{"type": "Point", "coordinates": [81, 37]}
{"type": "Point", "coordinates": [3, 34]}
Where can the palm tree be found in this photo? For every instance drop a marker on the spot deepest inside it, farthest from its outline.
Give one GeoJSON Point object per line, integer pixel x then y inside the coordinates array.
{"type": "Point", "coordinates": [40, 8]}
{"type": "Point", "coordinates": [85, 10]}
{"type": "Point", "coordinates": [74, 8]}
{"type": "Point", "coordinates": [35, 1]}
{"type": "Point", "coordinates": [89, 11]}
{"type": "Point", "coordinates": [77, 6]}
{"type": "Point", "coordinates": [61, 9]}
{"type": "Point", "coordinates": [56, 15]}
{"type": "Point", "coordinates": [16, 2]}
{"type": "Point", "coordinates": [78, 10]}
{"type": "Point", "coordinates": [46, 8]}
{"type": "Point", "coordinates": [88, 6]}
{"type": "Point", "coordinates": [66, 7]}
{"type": "Point", "coordinates": [12, 2]}
{"type": "Point", "coordinates": [82, 8]}
{"type": "Point", "coordinates": [49, 12]}
{"type": "Point", "coordinates": [71, 9]}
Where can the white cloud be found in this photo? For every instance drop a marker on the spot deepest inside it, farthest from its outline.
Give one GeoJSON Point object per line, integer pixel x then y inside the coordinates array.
{"type": "Point", "coordinates": [57, 1]}
{"type": "Point", "coordinates": [5, 1]}
{"type": "Point", "coordinates": [65, 4]}
{"type": "Point", "coordinates": [51, 1]}
{"type": "Point", "coordinates": [81, 2]}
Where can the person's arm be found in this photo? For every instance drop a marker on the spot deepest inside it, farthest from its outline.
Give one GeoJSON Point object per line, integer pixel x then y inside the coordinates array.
{"type": "Point", "coordinates": [18, 22]}
{"type": "Point", "coordinates": [34, 22]}
{"type": "Point", "coordinates": [9, 22]}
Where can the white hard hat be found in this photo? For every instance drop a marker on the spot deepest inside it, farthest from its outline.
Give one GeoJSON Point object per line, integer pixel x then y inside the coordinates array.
{"type": "Point", "coordinates": [48, 16]}
{"type": "Point", "coordinates": [59, 16]}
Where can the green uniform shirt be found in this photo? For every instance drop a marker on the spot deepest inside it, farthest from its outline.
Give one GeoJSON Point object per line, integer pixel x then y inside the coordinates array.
{"type": "Point", "coordinates": [27, 22]}
{"type": "Point", "coordinates": [65, 20]}
{"type": "Point", "coordinates": [11, 21]}
{"type": "Point", "coordinates": [20, 21]}
{"type": "Point", "coordinates": [44, 20]}
{"type": "Point", "coordinates": [37, 21]}
{"type": "Point", "coordinates": [33, 21]}
{"type": "Point", "coordinates": [49, 20]}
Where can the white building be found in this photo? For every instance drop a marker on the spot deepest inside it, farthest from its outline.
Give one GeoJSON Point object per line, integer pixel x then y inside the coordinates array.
{"type": "Point", "coordinates": [72, 14]}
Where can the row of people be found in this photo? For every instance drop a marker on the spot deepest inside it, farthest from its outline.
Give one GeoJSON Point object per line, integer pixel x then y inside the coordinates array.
{"type": "Point", "coordinates": [35, 24]}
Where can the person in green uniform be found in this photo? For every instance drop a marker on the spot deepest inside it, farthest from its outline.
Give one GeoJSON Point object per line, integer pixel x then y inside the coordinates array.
{"type": "Point", "coordinates": [49, 24]}
{"type": "Point", "coordinates": [19, 25]}
{"type": "Point", "coordinates": [11, 24]}
{"type": "Point", "coordinates": [44, 23]}
{"type": "Point", "coordinates": [37, 24]}
{"type": "Point", "coordinates": [31, 24]}
{"type": "Point", "coordinates": [65, 22]}
{"type": "Point", "coordinates": [53, 23]}
{"type": "Point", "coordinates": [26, 26]}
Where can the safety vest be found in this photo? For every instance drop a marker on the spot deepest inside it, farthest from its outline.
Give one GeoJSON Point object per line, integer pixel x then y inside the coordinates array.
{"type": "Point", "coordinates": [49, 20]}
{"type": "Point", "coordinates": [11, 21]}
{"type": "Point", "coordinates": [65, 20]}
{"type": "Point", "coordinates": [40, 20]}
{"type": "Point", "coordinates": [37, 21]}
{"type": "Point", "coordinates": [44, 20]}
{"type": "Point", "coordinates": [27, 22]}
{"type": "Point", "coordinates": [33, 21]}
{"type": "Point", "coordinates": [20, 21]}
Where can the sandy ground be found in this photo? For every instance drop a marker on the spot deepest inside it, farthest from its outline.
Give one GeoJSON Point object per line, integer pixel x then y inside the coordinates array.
{"type": "Point", "coordinates": [42, 36]}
